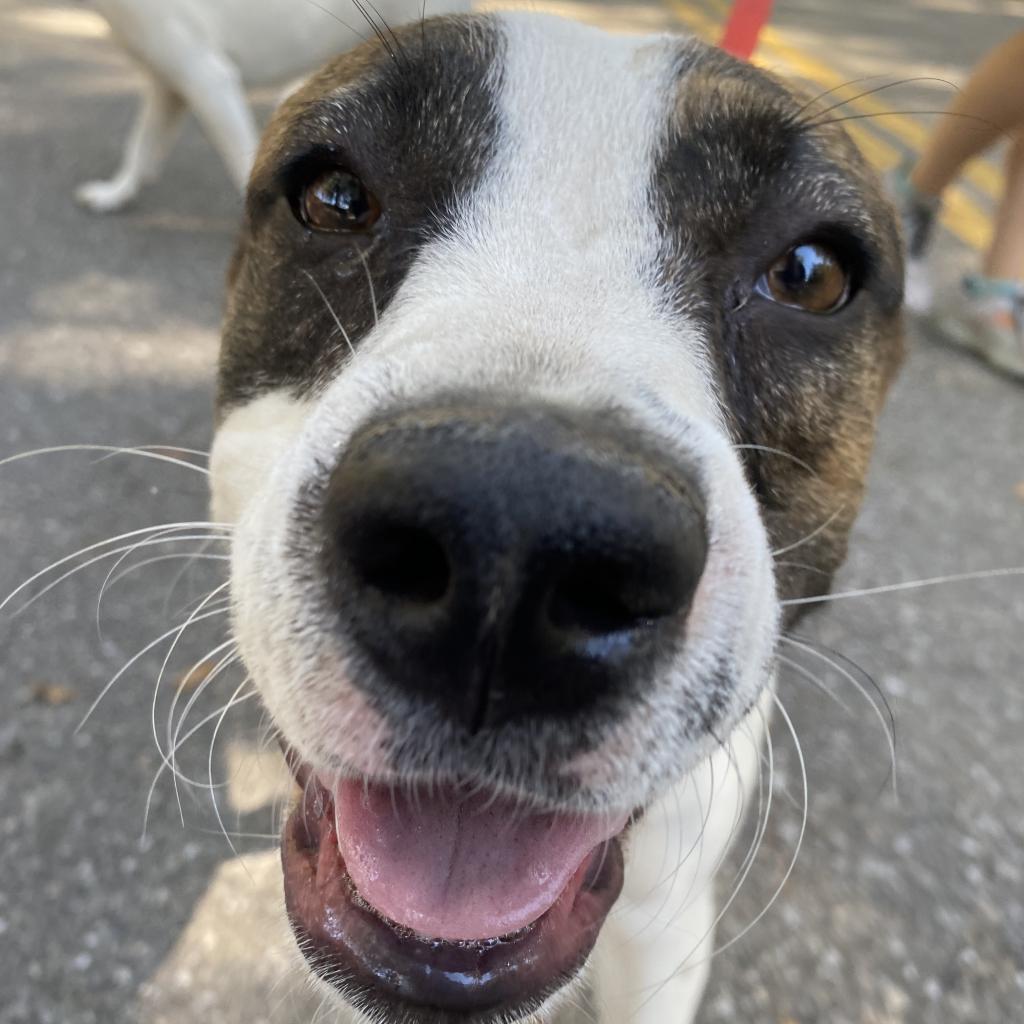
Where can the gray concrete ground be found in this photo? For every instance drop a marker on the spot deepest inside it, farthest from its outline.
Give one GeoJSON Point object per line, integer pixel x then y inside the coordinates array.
{"type": "Point", "coordinates": [906, 911]}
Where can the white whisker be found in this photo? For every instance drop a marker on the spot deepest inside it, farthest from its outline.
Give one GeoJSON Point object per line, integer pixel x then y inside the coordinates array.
{"type": "Point", "coordinates": [741, 875]}
{"type": "Point", "coordinates": [233, 702]}
{"type": "Point", "coordinates": [168, 760]}
{"type": "Point", "coordinates": [146, 451]}
{"type": "Point", "coordinates": [173, 731]}
{"type": "Point", "coordinates": [749, 858]}
{"type": "Point", "coordinates": [198, 556]}
{"type": "Point", "coordinates": [209, 614]}
{"type": "Point", "coordinates": [163, 668]}
{"type": "Point", "coordinates": [110, 579]}
{"type": "Point", "coordinates": [201, 555]}
{"type": "Point", "coordinates": [330, 309]}
{"type": "Point", "coordinates": [754, 847]}
{"type": "Point", "coordinates": [369, 283]}
{"type": "Point", "coordinates": [81, 567]}
{"type": "Point", "coordinates": [891, 588]}
{"type": "Point", "coordinates": [787, 564]}
{"type": "Point", "coordinates": [161, 528]}
{"type": "Point", "coordinates": [270, 836]}
{"type": "Point", "coordinates": [814, 533]}
{"type": "Point", "coordinates": [209, 766]}
{"type": "Point", "coordinates": [668, 876]}
{"type": "Point", "coordinates": [806, 673]}
{"type": "Point", "coordinates": [887, 727]}
{"type": "Point", "coordinates": [800, 837]}
{"type": "Point", "coordinates": [775, 451]}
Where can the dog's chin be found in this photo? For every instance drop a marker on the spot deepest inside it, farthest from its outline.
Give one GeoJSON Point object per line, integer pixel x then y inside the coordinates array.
{"type": "Point", "coordinates": [401, 934]}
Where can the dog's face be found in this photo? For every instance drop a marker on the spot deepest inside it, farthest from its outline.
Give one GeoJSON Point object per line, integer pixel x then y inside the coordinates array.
{"type": "Point", "coordinates": [538, 343]}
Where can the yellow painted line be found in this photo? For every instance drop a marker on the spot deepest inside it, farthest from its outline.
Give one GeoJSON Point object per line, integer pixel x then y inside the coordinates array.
{"type": "Point", "coordinates": [911, 131]}
{"type": "Point", "coordinates": [696, 21]}
{"type": "Point", "coordinates": [961, 215]}
{"type": "Point", "coordinates": [882, 154]}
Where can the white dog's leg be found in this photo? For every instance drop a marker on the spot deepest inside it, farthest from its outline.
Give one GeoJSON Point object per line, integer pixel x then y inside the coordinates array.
{"type": "Point", "coordinates": [148, 143]}
{"type": "Point", "coordinates": [208, 82]}
{"type": "Point", "coordinates": [213, 87]}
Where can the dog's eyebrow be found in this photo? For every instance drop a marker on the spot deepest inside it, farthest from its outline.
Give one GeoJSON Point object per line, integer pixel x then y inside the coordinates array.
{"type": "Point", "coordinates": [375, 115]}
{"type": "Point", "coordinates": [735, 142]}
{"type": "Point", "coordinates": [316, 129]}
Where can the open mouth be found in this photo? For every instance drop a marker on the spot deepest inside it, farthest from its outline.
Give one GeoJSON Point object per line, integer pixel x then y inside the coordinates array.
{"type": "Point", "coordinates": [446, 905]}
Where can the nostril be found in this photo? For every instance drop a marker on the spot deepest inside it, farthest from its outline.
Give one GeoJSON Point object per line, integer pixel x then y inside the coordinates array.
{"type": "Point", "coordinates": [404, 563]}
{"type": "Point", "coordinates": [589, 599]}
{"type": "Point", "coordinates": [599, 597]}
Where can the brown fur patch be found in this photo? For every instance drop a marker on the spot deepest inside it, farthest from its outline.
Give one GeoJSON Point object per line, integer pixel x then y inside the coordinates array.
{"type": "Point", "coordinates": [744, 176]}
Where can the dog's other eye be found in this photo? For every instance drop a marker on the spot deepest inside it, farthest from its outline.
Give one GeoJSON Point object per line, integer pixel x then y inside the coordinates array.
{"type": "Point", "coordinates": [809, 276]}
{"type": "Point", "coordinates": [336, 200]}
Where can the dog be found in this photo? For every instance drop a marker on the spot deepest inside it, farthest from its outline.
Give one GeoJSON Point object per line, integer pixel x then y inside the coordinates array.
{"type": "Point", "coordinates": [202, 55]}
{"type": "Point", "coordinates": [539, 342]}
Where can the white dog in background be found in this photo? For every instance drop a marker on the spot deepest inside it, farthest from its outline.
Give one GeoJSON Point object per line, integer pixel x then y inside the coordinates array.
{"type": "Point", "coordinates": [202, 55]}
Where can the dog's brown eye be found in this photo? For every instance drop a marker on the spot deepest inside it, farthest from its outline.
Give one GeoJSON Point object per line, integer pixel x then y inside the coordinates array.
{"type": "Point", "coordinates": [338, 201]}
{"type": "Point", "coordinates": [810, 277]}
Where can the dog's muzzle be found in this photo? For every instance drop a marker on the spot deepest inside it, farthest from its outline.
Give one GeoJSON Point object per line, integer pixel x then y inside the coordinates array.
{"type": "Point", "coordinates": [502, 567]}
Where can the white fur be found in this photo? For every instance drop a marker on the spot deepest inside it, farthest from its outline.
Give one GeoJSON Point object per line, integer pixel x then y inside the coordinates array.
{"type": "Point", "coordinates": [246, 448]}
{"type": "Point", "coordinates": [544, 289]}
{"type": "Point", "coordinates": [203, 54]}
{"type": "Point", "coordinates": [654, 953]}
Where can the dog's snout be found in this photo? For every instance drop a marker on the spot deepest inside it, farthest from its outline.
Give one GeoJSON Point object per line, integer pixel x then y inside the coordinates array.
{"type": "Point", "coordinates": [510, 563]}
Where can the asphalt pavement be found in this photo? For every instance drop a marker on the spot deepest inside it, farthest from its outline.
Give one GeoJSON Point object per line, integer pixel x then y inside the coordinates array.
{"type": "Point", "coordinates": [903, 909]}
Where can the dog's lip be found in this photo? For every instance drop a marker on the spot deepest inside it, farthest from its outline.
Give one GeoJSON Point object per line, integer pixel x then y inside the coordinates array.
{"type": "Point", "coordinates": [349, 943]}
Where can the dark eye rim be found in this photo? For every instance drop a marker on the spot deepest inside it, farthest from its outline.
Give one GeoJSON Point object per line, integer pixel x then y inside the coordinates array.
{"type": "Point", "coordinates": [850, 254]}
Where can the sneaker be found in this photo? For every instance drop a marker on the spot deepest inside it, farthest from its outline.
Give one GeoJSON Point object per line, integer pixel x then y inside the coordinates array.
{"type": "Point", "coordinates": [918, 214]}
{"type": "Point", "coordinates": [988, 320]}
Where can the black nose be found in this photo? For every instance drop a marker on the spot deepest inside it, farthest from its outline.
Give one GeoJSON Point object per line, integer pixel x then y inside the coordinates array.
{"type": "Point", "coordinates": [508, 563]}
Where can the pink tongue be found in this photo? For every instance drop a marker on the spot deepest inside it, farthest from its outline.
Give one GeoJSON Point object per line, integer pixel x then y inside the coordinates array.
{"type": "Point", "coordinates": [456, 868]}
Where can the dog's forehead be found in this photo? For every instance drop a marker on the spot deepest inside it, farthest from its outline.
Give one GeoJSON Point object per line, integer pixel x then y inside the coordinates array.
{"type": "Point", "coordinates": [542, 82]}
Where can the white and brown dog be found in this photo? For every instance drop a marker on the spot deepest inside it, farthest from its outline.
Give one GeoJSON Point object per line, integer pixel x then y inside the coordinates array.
{"type": "Point", "coordinates": [539, 341]}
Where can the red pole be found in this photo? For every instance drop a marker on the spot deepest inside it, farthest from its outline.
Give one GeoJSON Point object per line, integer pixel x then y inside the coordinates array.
{"type": "Point", "coordinates": [744, 27]}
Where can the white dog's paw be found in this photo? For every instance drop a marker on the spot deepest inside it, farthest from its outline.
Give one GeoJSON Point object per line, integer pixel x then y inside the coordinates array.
{"type": "Point", "coordinates": [105, 196]}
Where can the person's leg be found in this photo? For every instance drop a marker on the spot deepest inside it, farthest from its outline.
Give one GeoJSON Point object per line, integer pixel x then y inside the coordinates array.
{"type": "Point", "coordinates": [987, 316]}
{"type": "Point", "coordinates": [990, 105]}
{"type": "Point", "coordinates": [1005, 258]}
